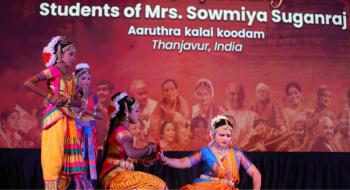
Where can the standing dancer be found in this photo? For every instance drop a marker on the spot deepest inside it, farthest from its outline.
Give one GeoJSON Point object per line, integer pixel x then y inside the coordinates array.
{"type": "Point", "coordinates": [60, 147]}
{"type": "Point", "coordinates": [86, 125]}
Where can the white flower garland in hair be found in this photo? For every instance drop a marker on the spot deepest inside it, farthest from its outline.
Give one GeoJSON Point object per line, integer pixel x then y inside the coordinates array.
{"type": "Point", "coordinates": [216, 119]}
{"type": "Point", "coordinates": [212, 126]}
{"type": "Point", "coordinates": [82, 66]}
{"type": "Point", "coordinates": [49, 55]}
{"type": "Point", "coordinates": [116, 104]}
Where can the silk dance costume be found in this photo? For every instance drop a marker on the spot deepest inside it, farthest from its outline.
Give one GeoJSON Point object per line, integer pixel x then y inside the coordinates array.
{"type": "Point", "coordinates": [60, 146]}
{"type": "Point", "coordinates": [86, 126]}
{"type": "Point", "coordinates": [224, 175]}
{"type": "Point", "coordinates": [117, 169]}
{"type": "Point", "coordinates": [221, 166]}
{"type": "Point", "coordinates": [220, 161]}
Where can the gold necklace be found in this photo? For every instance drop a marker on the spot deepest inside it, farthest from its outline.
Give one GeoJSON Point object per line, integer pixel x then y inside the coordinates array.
{"type": "Point", "coordinates": [226, 152]}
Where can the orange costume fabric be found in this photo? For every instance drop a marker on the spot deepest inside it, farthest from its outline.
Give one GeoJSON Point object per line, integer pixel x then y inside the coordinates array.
{"type": "Point", "coordinates": [60, 147]}
{"type": "Point", "coordinates": [117, 169]}
{"type": "Point", "coordinates": [215, 176]}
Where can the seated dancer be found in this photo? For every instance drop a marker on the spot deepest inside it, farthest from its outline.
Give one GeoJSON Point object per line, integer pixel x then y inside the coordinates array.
{"type": "Point", "coordinates": [120, 154]}
{"type": "Point", "coordinates": [221, 162]}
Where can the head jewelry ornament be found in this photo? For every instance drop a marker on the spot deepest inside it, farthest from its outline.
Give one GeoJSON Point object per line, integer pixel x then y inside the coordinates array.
{"type": "Point", "coordinates": [116, 104]}
{"type": "Point", "coordinates": [49, 56]}
{"type": "Point", "coordinates": [213, 128]}
{"type": "Point", "coordinates": [81, 68]}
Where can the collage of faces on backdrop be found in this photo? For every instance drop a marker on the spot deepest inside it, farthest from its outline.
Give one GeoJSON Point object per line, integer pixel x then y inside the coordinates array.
{"type": "Point", "coordinates": [260, 124]}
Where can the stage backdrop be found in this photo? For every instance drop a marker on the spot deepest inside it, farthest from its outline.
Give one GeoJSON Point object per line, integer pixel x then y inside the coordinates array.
{"type": "Point", "coordinates": [278, 70]}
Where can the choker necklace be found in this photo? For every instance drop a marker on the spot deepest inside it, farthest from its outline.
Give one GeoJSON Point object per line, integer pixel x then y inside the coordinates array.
{"type": "Point", "coordinates": [221, 151]}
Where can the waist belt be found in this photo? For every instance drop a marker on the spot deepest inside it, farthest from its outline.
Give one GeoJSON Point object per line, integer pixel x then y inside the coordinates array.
{"type": "Point", "coordinates": [220, 180]}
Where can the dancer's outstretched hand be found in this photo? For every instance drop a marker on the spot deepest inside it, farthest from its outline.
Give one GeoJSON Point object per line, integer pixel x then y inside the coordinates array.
{"type": "Point", "coordinates": [152, 147]}
{"type": "Point", "coordinates": [162, 158]}
{"type": "Point", "coordinates": [151, 156]}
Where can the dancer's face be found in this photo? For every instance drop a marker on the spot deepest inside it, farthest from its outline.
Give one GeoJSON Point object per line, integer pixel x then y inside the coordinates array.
{"type": "Point", "coordinates": [223, 138]}
{"type": "Point", "coordinates": [85, 80]}
{"type": "Point", "coordinates": [134, 114]}
{"type": "Point", "coordinates": [68, 57]}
